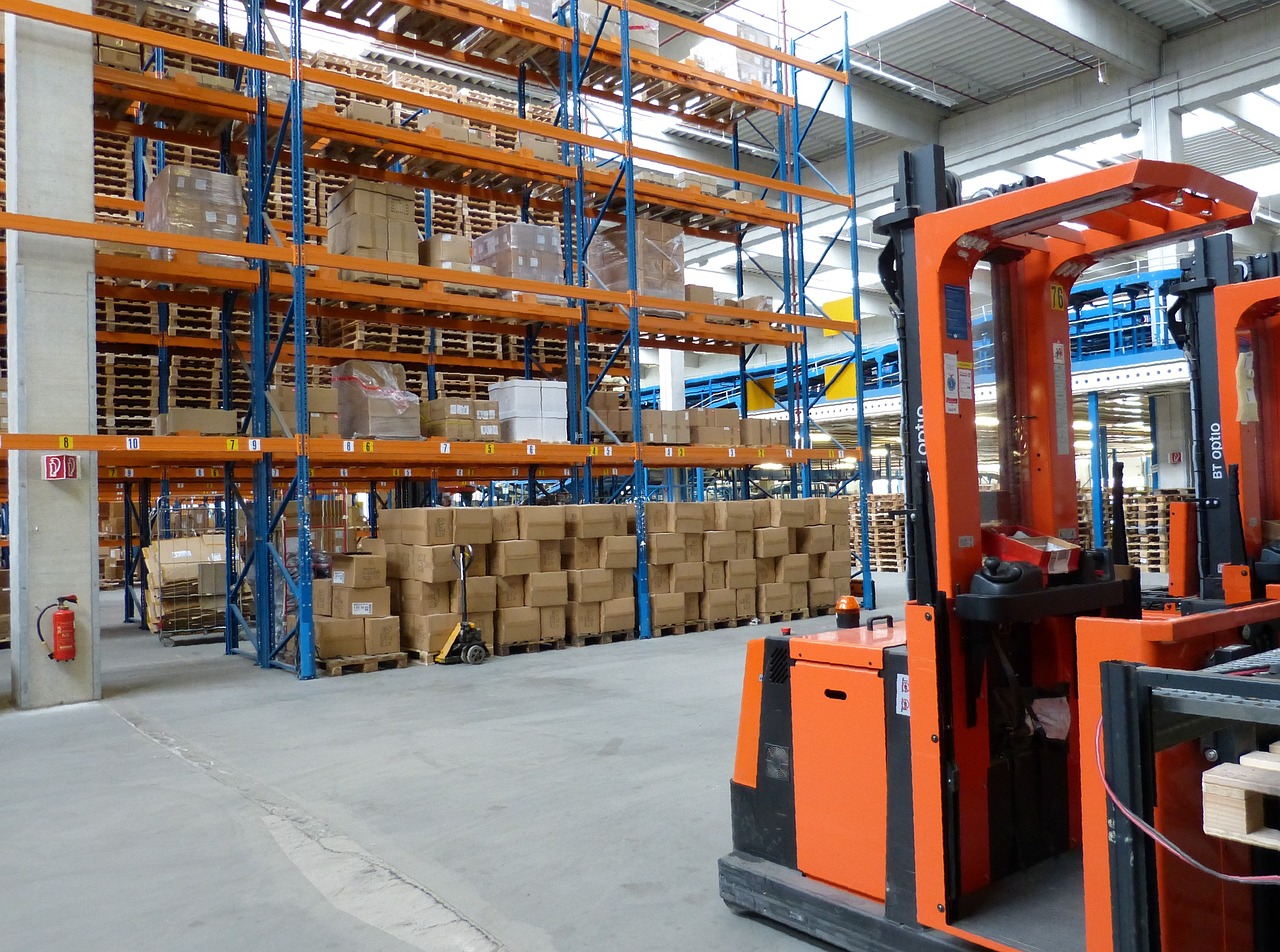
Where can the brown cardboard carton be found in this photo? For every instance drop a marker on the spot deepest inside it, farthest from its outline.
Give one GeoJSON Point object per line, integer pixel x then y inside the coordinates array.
{"type": "Point", "coordinates": [373, 547]}
{"type": "Point", "coordinates": [718, 605]}
{"type": "Point", "coordinates": [361, 602]}
{"type": "Point", "coordinates": [665, 548]}
{"type": "Point", "coordinates": [515, 557]}
{"type": "Point", "coordinates": [448, 408]}
{"type": "Point", "coordinates": [773, 598]}
{"type": "Point", "coordinates": [618, 614]}
{"type": "Point", "coordinates": [666, 610]}
{"type": "Point", "coordinates": [761, 513]}
{"type": "Point", "coordinates": [510, 591]}
{"type": "Point", "coordinates": [792, 568]}
{"type": "Point", "coordinates": [381, 635]}
{"type": "Point", "coordinates": [618, 552]}
{"type": "Point", "coordinates": [624, 583]}
{"type": "Point", "coordinates": [719, 545]}
{"type": "Point", "coordinates": [590, 585]}
{"type": "Point", "coordinates": [580, 554]}
{"type": "Point", "coordinates": [745, 545]}
{"type": "Point", "coordinates": [834, 512]}
{"type": "Point", "coordinates": [837, 565]}
{"type": "Point", "coordinates": [822, 593]}
{"type": "Point", "coordinates": [732, 516]}
{"type": "Point", "coordinates": [450, 431]}
{"type": "Point", "coordinates": [788, 513]}
{"type": "Point", "coordinates": [660, 578]}
{"type": "Point", "coordinates": [812, 511]}
{"type": "Point", "coordinates": [358, 570]}
{"type": "Point", "coordinates": [517, 626]}
{"type": "Point", "coordinates": [399, 560]}
{"type": "Point", "coordinates": [687, 577]}
{"type": "Point", "coordinates": [472, 526]}
{"type": "Point", "coordinates": [197, 422]}
{"type": "Point", "coordinates": [321, 597]}
{"type": "Point", "coordinates": [772, 542]}
{"type": "Point", "coordinates": [427, 633]}
{"type": "Point", "coordinates": [549, 556]}
{"type": "Point", "coordinates": [693, 547]}
{"type": "Point", "coordinates": [692, 606]}
{"type": "Point", "coordinates": [592, 522]}
{"type": "Point", "coordinates": [740, 573]}
{"type": "Point", "coordinates": [713, 576]}
{"type": "Point", "coordinates": [582, 619]}
{"type": "Point", "coordinates": [482, 595]}
{"type": "Point", "coordinates": [677, 516]}
{"type": "Point", "coordinates": [799, 596]}
{"type": "Point", "coordinates": [544, 523]}
{"type": "Point", "coordinates": [432, 526]}
{"type": "Point", "coordinates": [814, 539]}
{"type": "Point", "coordinates": [745, 599]}
{"type": "Point", "coordinates": [544, 589]}
{"type": "Point", "coordinates": [434, 563]}
{"type": "Point", "coordinates": [211, 578]}
{"type": "Point", "coordinates": [766, 571]}
{"type": "Point", "coordinates": [553, 621]}
{"type": "Point", "coordinates": [425, 598]}
{"type": "Point", "coordinates": [339, 637]}
{"type": "Point", "coordinates": [506, 523]}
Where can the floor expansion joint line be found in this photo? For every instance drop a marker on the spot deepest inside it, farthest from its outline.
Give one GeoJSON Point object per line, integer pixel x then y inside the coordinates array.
{"type": "Point", "coordinates": [348, 876]}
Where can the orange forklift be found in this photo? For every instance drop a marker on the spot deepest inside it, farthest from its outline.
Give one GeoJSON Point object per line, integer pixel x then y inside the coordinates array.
{"type": "Point", "coordinates": [997, 776]}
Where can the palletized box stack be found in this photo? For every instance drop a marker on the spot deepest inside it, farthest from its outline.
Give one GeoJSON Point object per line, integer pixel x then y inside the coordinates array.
{"type": "Point", "coordinates": [458, 420]}
{"type": "Point", "coordinates": [599, 556]}
{"type": "Point", "coordinates": [322, 408]}
{"type": "Point", "coordinates": [613, 410]}
{"type": "Point", "coordinates": [532, 410]}
{"type": "Point", "coordinates": [4, 608]}
{"type": "Point", "coordinates": [352, 608]}
{"type": "Point", "coordinates": [111, 543]}
{"type": "Point", "coordinates": [373, 402]}
{"type": "Point", "coordinates": [373, 220]}
{"type": "Point", "coordinates": [199, 203]}
{"type": "Point", "coordinates": [521, 250]}
{"type": "Point", "coordinates": [186, 584]}
{"type": "Point", "coordinates": [658, 254]}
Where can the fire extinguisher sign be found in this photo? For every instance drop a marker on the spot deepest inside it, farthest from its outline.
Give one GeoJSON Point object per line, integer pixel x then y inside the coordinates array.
{"type": "Point", "coordinates": [61, 466]}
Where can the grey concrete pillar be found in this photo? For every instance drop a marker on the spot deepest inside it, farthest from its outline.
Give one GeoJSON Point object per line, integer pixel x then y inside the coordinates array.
{"type": "Point", "coordinates": [1172, 438]}
{"type": "Point", "coordinates": [53, 541]}
{"type": "Point", "coordinates": [1162, 140]}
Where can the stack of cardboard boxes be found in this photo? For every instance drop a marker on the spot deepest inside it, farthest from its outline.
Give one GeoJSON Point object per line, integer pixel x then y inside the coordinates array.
{"type": "Point", "coordinates": [5, 627]}
{"type": "Point", "coordinates": [352, 608]}
{"type": "Point", "coordinates": [186, 584]}
{"type": "Point", "coordinates": [613, 409]}
{"type": "Point", "coordinates": [521, 250]}
{"type": "Point", "coordinates": [596, 18]}
{"type": "Point", "coordinates": [199, 203]}
{"type": "Point", "coordinates": [461, 421]}
{"type": "Point", "coordinates": [658, 254]}
{"type": "Point", "coordinates": [111, 543]}
{"type": "Point", "coordinates": [532, 410]}
{"type": "Point", "coordinates": [119, 54]}
{"type": "Point", "coordinates": [724, 561]}
{"type": "Point", "coordinates": [322, 408]}
{"type": "Point", "coordinates": [197, 421]}
{"type": "Point", "coordinates": [373, 220]}
{"type": "Point", "coordinates": [373, 403]}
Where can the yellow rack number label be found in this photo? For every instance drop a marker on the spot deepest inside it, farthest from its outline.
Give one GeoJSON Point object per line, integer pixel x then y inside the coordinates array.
{"type": "Point", "coordinates": [1057, 297]}
{"type": "Point", "coordinates": [233, 445]}
{"type": "Point", "coordinates": [366, 446]}
{"type": "Point", "coordinates": [66, 443]}
{"type": "Point", "coordinates": [490, 449]}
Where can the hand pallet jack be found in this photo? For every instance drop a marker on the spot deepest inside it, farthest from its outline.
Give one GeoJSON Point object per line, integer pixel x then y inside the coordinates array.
{"type": "Point", "coordinates": [465, 645]}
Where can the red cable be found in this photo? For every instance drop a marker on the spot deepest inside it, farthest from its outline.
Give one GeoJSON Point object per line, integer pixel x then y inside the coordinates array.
{"type": "Point", "coordinates": [1161, 839]}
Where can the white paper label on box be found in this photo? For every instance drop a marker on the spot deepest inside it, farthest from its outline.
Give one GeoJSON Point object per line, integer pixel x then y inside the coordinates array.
{"type": "Point", "coordinates": [211, 217]}
{"type": "Point", "coordinates": [965, 542]}
{"type": "Point", "coordinates": [340, 577]}
{"type": "Point", "coordinates": [201, 184]}
{"type": "Point", "coordinates": [951, 382]}
{"type": "Point", "coordinates": [362, 608]}
{"type": "Point", "coordinates": [182, 553]}
{"type": "Point", "coordinates": [902, 703]}
{"type": "Point", "coordinates": [1069, 534]}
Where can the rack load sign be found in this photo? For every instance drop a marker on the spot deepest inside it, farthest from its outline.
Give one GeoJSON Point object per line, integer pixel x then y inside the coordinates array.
{"type": "Point", "coordinates": [61, 466]}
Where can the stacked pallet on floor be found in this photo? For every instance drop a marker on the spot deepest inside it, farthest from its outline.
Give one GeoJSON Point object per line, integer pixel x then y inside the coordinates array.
{"type": "Point", "coordinates": [886, 535]}
{"type": "Point", "coordinates": [1146, 515]}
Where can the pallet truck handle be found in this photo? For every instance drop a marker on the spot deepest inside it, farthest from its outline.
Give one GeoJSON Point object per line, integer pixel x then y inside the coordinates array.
{"type": "Point", "coordinates": [888, 619]}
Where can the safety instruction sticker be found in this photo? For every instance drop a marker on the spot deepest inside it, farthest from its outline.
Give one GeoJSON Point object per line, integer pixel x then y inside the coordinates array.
{"type": "Point", "coordinates": [951, 382]}
{"type": "Point", "coordinates": [966, 380]}
{"type": "Point", "coordinates": [902, 701]}
{"type": "Point", "coordinates": [1061, 396]}
{"type": "Point", "coordinates": [955, 300]}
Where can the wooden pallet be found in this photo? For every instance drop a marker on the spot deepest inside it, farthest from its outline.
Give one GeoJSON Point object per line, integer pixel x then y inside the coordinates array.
{"type": "Point", "coordinates": [779, 618]}
{"type": "Point", "coordinates": [605, 638]}
{"type": "Point", "coordinates": [361, 664]}
{"type": "Point", "coordinates": [501, 651]}
{"type": "Point", "coordinates": [687, 628]}
{"type": "Point", "coordinates": [725, 624]}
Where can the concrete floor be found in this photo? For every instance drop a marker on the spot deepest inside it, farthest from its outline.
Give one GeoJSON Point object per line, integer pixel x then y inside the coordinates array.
{"type": "Point", "coordinates": [572, 800]}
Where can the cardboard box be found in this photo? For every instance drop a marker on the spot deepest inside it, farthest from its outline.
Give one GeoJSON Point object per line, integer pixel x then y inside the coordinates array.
{"type": "Point", "coordinates": [792, 568]}
{"type": "Point", "coordinates": [447, 408]}
{"type": "Point", "coordinates": [834, 512]}
{"type": "Point", "coordinates": [321, 597]}
{"type": "Point", "coordinates": [732, 516]}
{"type": "Point", "coordinates": [814, 539]}
{"type": "Point", "coordinates": [719, 545]}
{"type": "Point", "coordinates": [666, 548]}
{"type": "Point", "coordinates": [381, 635]}
{"type": "Point", "coordinates": [771, 543]}
{"type": "Point", "coordinates": [837, 565]}
{"type": "Point", "coordinates": [822, 593]}
{"type": "Point", "coordinates": [482, 595]}
{"type": "Point", "coordinates": [361, 602]}
{"type": "Point", "coordinates": [451, 431]}
{"type": "Point", "coordinates": [553, 621]}
{"type": "Point", "coordinates": [339, 637]}
{"type": "Point", "coordinates": [198, 422]}
{"type": "Point", "coordinates": [761, 513]}
{"type": "Point", "coordinates": [746, 602]}
{"type": "Point", "coordinates": [444, 248]}
{"type": "Point", "coordinates": [211, 578]}
{"type": "Point", "coordinates": [659, 578]}
{"type": "Point", "coordinates": [514, 558]}
{"type": "Point", "coordinates": [590, 585]}
{"type": "Point", "coordinates": [517, 626]}
{"type": "Point", "coordinates": [472, 526]}
{"type": "Point", "coordinates": [624, 583]}
{"type": "Point", "coordinates": [427, 526]}
{"type": "Point", "coordinates": [790, 513]}
{"type": "Point", "coordinates": [714, 575]}
{"type": "Point", "coordinates": [428, 633]}
{"type": "Point", "coordinates": [799, 596]}
{"type": "Point", "coordinates": [666, 610]}
{"type": "Point", "coordinates": [434, 563]}
{"type": "Point", "coordinates": [373, 547]}
{"type": "Point", "coordinates": [423, 598]}
{"type": "Point", "coordinates": [618, 552]}
{"type": "Point", "coordinates": [510, 591]}
{"type": "Point", "coordinates": [544, 523]}
{"type": "Point", "coordinates": [745, 544]}
{"type": "Point", "coordinates": [692, 606]}
{"type": "Point", "coordinates": [693, 547]}
{"type": "Point", "coordinates": [544, 589]}
{"type": "Point", "coordinates": [618, 614]}
{"type": "Point", "coordinates": [549, 557]}
{"type": "Point", "coordinates": [773, 598]}
{"type": "Point", "coordinates": [686, 517]}
{"type": "Point", "coordinates": [506, 524]}
{"type": "Point", "coordinates": [718, 605]}
{"type": "Point", "coordinates": [593, 522]}
{"type": "Point", "coordinates": [582, 619]}
{"type": "Point", "coordinates": [687, 577]}
{"type": "Point", "coordinates": [580, 554]}
{"type": "Point", "coordinates": [358, 570]}
{"type": "Point", "coordinates": [740, 573]}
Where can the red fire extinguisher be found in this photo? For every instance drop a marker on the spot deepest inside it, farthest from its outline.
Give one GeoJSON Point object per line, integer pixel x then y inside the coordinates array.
{"type": "Point", "coordinates": [63, 647]}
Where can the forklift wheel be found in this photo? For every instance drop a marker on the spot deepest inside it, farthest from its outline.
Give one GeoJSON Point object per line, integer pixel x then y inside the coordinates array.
{"type": "Point", "coordinates": [473, 654]}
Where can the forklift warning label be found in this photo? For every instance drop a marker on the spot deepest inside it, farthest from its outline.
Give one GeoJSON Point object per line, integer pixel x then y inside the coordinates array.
{"type": "Point", "coordinates": [1061, 397]}
{"type": "Point", "coordinates": [902, 704]}
{"type": "Point", "coordinates": [951, 383]}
